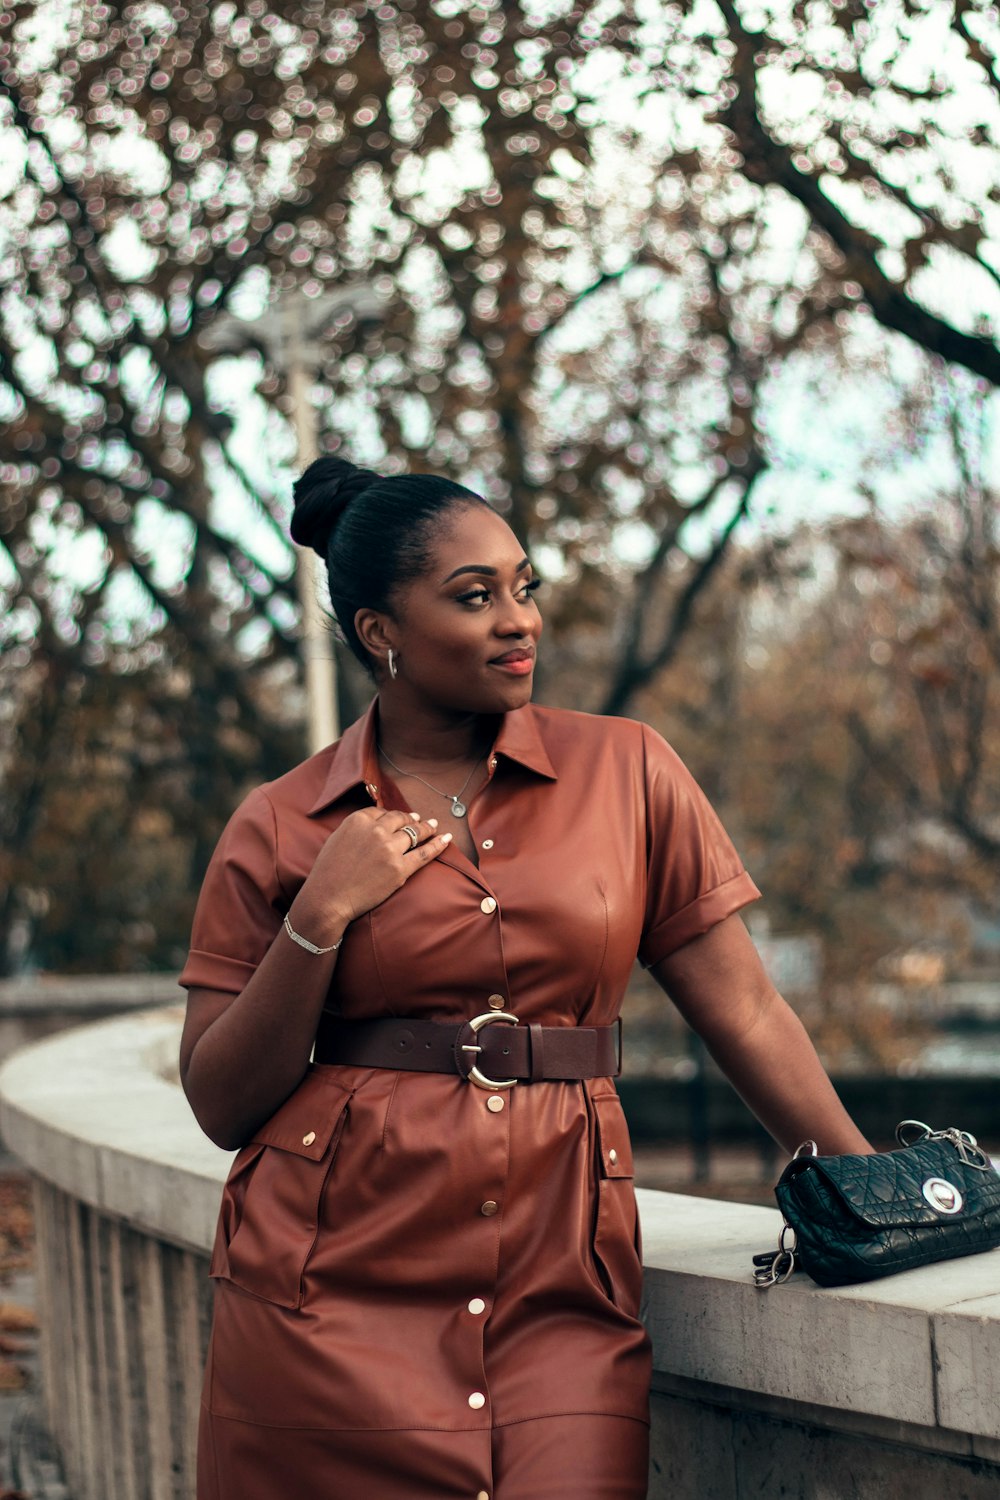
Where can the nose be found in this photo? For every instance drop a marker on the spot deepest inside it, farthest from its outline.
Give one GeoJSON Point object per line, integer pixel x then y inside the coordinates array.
{"type": "Point", "coordinates": [516, 618]}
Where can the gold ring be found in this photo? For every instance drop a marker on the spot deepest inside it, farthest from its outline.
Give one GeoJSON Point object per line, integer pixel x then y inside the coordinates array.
{"type": "Point", "coordinates": [411, 834]}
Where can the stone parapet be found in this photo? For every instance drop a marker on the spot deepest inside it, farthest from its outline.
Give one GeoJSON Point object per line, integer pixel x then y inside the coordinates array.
{"type": "Point", "coordinates": [880, 1391]}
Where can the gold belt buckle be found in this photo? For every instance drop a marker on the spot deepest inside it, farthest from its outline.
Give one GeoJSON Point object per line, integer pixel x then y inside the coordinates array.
{"type": "Point", "coordinates": [472, 1072]}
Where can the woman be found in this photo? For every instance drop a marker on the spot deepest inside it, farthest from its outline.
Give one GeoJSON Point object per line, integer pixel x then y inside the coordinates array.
{"type": "Point", "coordinates": [427, 1264]}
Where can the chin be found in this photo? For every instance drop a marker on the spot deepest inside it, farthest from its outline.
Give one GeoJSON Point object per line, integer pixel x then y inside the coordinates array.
{"type": "Point", "coordinates": [498, 698]}
{"type": "Point", "coordinates": [518, 693]}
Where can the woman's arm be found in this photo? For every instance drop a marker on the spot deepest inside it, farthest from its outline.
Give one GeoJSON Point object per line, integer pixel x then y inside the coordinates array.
{"type": "Point", "coordinates": [720, 987]}
{"type": "Point", "coordinates": [242, 1055]}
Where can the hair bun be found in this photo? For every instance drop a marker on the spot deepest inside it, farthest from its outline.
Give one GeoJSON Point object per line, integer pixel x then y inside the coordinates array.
{"type": "Point", "coordinates": [321, 496]}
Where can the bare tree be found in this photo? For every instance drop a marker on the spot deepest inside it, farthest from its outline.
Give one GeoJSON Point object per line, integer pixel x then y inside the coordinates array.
{"type": "Point", "coordinates": [585, 300]}
{"type": "Point", "coordinates": [895, 157]}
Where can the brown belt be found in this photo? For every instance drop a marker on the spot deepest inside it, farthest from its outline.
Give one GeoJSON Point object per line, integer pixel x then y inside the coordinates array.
{"type": "Point", "coordinates": [491, 1050]}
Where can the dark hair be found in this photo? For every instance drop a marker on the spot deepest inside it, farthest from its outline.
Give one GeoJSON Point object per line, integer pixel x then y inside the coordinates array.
{"type": "Point", "coordinates": [372, 531]}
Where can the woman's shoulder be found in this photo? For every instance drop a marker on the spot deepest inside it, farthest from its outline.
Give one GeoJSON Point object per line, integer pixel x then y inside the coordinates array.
{"type": "Point", "coordinates": [634, 748]}
{"type": "Point", "coordinates": [574, 724]}
{"type": "Point", "coordinates": [574, 730]}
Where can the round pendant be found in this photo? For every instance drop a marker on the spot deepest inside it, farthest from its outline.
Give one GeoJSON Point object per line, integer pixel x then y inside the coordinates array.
{"type": "Point", "coordinates": [458, 809]}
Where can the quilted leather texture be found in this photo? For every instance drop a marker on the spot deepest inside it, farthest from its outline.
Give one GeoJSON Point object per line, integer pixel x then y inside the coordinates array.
{"type": "Point", "coordinates": [860, 1217]}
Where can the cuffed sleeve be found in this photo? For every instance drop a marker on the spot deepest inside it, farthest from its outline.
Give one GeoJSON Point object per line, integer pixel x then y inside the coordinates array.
{"type": "Point", "coordinates": [695, 876]}
{"type": "Point", "coordinates": [241, 904]}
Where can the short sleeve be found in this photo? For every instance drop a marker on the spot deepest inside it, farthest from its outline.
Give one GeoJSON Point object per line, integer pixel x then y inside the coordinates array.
{"type": "Point", "coordinates": [695, 878]}
{"type": "Point", "coordinates": [241, 904]}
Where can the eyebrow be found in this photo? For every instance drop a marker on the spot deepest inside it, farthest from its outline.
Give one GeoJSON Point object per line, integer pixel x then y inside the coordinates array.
{"type": "Point", "coordinates": [484, 568]}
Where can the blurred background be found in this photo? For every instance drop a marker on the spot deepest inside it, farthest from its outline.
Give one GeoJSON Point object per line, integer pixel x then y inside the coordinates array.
{"type": "Point", "coordinates": [703, 297]}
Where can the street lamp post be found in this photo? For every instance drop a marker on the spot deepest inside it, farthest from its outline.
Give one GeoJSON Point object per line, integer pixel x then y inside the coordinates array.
{"type": "Point", "coordinates": [291, 335]}
{"type": "Point", "coordinates": [319, 657]}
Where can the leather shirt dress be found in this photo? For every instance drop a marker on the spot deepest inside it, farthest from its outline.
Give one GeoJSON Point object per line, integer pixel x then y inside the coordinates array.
{"type": "Point", "coordinates": [408, 1265]}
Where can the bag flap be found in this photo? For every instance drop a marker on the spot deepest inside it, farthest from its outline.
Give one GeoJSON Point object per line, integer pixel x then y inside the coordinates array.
{"type": "Point", "coordinates": [613, 1142]}
{"type": "Point", "coordinates": [887, 1188]}
{"type": "Point", "coordinates": [305, 1123]}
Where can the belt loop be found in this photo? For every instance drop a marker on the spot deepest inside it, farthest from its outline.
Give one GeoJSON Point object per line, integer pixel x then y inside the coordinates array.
{"type": "Point", "coordinates": [537, 1045]}
{"type": "Point", "coordinates": [618, 1069]}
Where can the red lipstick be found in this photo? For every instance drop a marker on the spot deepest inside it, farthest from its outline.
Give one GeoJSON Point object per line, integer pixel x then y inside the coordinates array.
{"type": "Point", "coordinates": [519, 662]}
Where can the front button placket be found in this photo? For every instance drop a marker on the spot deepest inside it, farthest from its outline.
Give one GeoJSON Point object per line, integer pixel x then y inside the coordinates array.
{"type": "Point", "coordinates": [490, 1130]}
{"type": "Point", "coordinates": [489, 1125]}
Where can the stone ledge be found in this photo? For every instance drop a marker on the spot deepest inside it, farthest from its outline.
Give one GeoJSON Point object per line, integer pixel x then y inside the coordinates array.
{"type": "Point", "coordinates": [921, 1348]}
{"type": "Point", "coordinates": [938, 1440]}
{"type": "Point", "coordinates": [92, 1112]}
{"type": "Point", "coordinates": [85, 994]}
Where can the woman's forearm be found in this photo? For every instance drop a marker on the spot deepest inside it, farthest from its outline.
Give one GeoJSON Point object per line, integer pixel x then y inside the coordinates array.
{"type": "Point", "coordinates": [241, 1057]}
{"type": "Point", "coordinates": [719, 985]}
{"type": "Point", "coordinates": [774, 1068]}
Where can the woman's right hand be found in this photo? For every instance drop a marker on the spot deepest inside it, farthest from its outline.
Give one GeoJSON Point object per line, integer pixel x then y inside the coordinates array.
{"type": "Point", "coordinates": [363, 861]}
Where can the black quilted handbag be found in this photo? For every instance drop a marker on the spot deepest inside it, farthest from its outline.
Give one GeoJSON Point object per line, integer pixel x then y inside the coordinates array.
{"type": "Point", "coordinates": [855, 1218]}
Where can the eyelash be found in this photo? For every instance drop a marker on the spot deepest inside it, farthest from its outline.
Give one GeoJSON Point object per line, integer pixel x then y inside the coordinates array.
{"type": "Point", "coordinates": [481, 593]}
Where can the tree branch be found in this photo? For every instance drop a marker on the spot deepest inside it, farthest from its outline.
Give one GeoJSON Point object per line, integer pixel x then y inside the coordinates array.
{"type": "Point", "coordinates": [767, 160]}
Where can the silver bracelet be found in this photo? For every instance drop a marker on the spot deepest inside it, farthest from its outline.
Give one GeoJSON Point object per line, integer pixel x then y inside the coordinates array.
{"type": "Point", "coordinates": [306, 944]}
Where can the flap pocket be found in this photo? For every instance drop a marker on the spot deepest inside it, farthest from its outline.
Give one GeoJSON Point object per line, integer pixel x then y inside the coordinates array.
{"type": "Point", "coordinates": [305, 1123]}
{"type": "Point", "coordinates": [272, 1200]}
{"type": "Point", "coordinates": [614, 1149]}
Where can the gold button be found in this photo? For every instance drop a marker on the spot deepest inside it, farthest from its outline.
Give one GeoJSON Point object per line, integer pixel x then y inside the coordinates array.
{"type": "Point", "coordinates": [493, 763]}
{"type": "Point", "coordinates": [477, 1305]}
{"type": "Point", "coordinates": [477, 1400]}
{"type": "Point", "coordinates": [307, 1140]}
{"type": "Point", "coordinates": [495, 1103]}
{"type": "Point", "coordinates": [612, 1156]}
{"type": "Point", "coordinates": [497, 1002]}
{"type": "Point", "coordinates": [487, 843]}
{"type": "Point", "coordinates": [489, 1208]}
{"type": "Point", "coordinates": [488, 905]}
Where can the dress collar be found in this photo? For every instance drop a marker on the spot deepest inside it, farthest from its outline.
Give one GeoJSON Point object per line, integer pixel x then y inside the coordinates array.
{"type": "Point", "coordinates": [354, 759]}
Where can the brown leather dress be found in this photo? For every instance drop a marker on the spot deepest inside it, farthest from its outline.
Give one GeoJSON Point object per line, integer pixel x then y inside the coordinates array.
{"type": "Point", "coordinates": [416, 1291]}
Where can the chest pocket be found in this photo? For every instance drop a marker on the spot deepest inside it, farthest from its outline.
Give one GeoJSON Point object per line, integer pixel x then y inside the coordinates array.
{"type": "Point", "coordinates": [270, 1210]}
{"type": "Point", "coordinates": [616, 1244]}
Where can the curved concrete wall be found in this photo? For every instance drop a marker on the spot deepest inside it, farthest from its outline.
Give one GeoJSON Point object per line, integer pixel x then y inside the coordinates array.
{"type": "Point", "coordinates": [878, 1392]}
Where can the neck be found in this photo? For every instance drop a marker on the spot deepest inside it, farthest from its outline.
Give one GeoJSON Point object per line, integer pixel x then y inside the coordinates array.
{"type": "Point", "coordinates": [418, 737]}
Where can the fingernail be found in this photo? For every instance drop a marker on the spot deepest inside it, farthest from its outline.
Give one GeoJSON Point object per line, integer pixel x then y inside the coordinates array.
{"type": "Point", "coordinates": [446, 838]}
{"type": "Point", "coordinates": [414, 816]}
{"type": "Point", "coordinates": [432, 822]}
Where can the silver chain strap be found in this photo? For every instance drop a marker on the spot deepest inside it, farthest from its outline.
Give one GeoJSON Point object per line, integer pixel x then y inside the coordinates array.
{"type": "Point", "coordinates": [912, 1132]}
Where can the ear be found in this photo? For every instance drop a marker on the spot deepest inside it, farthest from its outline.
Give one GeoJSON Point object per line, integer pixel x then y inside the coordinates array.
{"type": "Point", "coordinates": [376, 632]}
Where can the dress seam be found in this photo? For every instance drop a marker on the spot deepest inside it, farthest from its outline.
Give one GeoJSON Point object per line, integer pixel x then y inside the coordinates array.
{"type": "Point", "coordinates": [557, 1416]}
{"type": "Point", "coordinates": [219, 1416]}
{"type": "Point", "coordinates": [554, 1416]}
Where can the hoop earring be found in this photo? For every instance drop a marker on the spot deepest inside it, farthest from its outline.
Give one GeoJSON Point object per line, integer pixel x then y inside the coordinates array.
{"type": "Point", "coordinates": [393, 669]}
